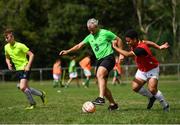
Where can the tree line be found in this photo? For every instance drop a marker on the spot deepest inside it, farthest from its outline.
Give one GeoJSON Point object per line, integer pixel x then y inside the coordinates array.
{"type": "Point", "coordinates": [48, 26]}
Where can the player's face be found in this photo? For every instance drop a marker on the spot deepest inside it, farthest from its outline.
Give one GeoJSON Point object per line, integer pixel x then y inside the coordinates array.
{"type": "Point", "coordinates": [92, 28]}
{"type": "Point", "coordinates": [129, 41]}
{"type": "Point", "coordinates": [9, 37]}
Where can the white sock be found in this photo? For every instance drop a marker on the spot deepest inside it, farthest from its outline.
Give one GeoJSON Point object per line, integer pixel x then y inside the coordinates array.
{"type": "Point", "coordinates": [35, 92]}
{"type": "Point", "coordinates": [161, 99]}
{"type": "Point", "coordinates": [27, 92]}
{"type": "Point", "coordinates": [145, 92]}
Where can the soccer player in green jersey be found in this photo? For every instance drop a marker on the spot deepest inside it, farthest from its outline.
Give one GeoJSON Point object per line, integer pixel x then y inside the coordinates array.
{"type": "Point", "coordinates": [100, 41]}
{"type": "Point", "coordinates": [72, 72]}
{"type": "Point", "coordinates": [16, 53]}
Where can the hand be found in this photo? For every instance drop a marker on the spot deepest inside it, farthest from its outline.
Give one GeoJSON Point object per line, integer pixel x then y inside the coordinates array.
{"type": "Point", "coordinates": [164, 46]}
{"type": "Point", "coordinates": [114, 45]}
{"type": "Point", "coordinates": [63, 52]}
{"type": "Point", "coordinates": [10, 67]}
{"type": "Point", "coordinates": [26, 68]}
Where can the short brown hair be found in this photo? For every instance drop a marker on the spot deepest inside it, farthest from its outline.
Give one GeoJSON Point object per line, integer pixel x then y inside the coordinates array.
{"type": "Point", "coordinates": [7, 31]}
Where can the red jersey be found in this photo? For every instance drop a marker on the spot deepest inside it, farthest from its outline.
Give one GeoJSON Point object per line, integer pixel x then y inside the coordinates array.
{"type": "Point", "coordinates": [145, 62]}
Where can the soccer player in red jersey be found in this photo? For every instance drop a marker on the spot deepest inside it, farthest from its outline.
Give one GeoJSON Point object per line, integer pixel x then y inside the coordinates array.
{"type": "Point", "coordinates": [148, 67]}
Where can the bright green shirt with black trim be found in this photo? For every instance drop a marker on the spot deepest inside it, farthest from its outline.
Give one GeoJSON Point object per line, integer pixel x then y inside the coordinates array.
{"type": "Point", "coordinates": [101, 43]}
{"type": "Point", "coordinates": [72, 66]}
{"type": "Point", "coordinates": [17, 53]}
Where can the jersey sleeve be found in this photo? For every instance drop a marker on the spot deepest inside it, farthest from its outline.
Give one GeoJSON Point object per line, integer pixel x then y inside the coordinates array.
{"type": "Point", "coordinates": [110, 35]}
{"type": "Point", "coordinates": [24, 48]}
{"type": "Point", "coordinates": [140, 52]}
{"type": "Point", "coordinates": [5, 51]}
{"type": "Point", "coordinates": [86, 39]}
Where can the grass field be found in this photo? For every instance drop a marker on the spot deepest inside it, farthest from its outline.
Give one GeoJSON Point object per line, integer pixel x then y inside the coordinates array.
{"type": "Point", "coordinates": [64, 106]}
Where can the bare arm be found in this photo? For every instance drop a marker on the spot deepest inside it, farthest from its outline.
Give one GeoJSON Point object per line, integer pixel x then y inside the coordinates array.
{"type": "Point", "coordinates": [74, 48]}
{"type": "Point", "coordinates": [160, 47]}
{"type": "Point", "coordinates": [123, 52]}
{"type": "Point", "coordinates": [8, 62]}
{"type": "Point", "coordinates": [118, 42]}
{"type": "Point", "coordinates": [31, 58]}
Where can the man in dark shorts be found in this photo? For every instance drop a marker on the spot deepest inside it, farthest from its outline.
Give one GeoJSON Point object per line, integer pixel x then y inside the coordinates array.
{"type": "Point", "coordinates": [100, 41]}
{"type": "Point", "coordinates": [17, 52]}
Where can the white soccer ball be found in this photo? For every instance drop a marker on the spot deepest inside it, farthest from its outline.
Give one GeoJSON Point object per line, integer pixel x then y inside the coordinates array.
{"type": "Point", "coordinates": [88, 107]}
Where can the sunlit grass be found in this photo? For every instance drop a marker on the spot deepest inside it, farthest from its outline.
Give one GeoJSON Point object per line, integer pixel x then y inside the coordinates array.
{"type": "Point", "coordinates": [64, 105]}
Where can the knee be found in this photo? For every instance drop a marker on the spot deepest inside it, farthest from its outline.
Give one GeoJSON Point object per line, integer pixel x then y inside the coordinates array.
{"type": "Point", "coordinates": [153, 90]}
{"type": "Point", "coordinates": [22, 88]}
{"type": "Point", "coordinates": [100, 75]}
{"type": "Point", "coordinates": [135, 87]}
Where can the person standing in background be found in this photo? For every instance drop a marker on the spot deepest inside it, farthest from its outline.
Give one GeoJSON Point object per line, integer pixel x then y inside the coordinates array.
{"type": "Point", "coordinates": [85, 64]}
{"type": "Point", "coordinates": [57, 71]}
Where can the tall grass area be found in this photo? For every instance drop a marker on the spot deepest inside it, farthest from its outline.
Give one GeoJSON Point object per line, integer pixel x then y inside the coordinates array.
{"type": "Point", "coordinates": [64, 105]}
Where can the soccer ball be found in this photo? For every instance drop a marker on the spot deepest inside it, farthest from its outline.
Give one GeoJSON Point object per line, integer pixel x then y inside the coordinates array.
{"type": "Point", "coordinates": [88, 107]}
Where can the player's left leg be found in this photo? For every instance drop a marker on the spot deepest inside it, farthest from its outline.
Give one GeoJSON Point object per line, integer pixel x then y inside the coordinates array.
{"type": "Point", "coordinates": [113, 105]}
{"type": "Point", "coordinates": [25, 88]}
{"type": "Point", "coordinates": [68, 83]}
{"type": "Point", "coordinates": [101, 77]}
{"type": "Point", "coordinates": [39, 93]}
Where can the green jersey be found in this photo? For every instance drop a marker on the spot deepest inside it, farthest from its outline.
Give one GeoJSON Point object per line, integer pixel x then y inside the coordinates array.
{"type": "Point", "coordinates": [101, 43]}
{"type": "Point", "coordinates": [72, 66]}
{"type": "Point", "coordinates": [17, 53]}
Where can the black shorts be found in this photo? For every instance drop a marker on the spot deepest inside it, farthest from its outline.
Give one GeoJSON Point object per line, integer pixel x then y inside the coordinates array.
{"type": "Point", "coordinates": [21, 74]}
{"type": "Point", "coordinates": [107, 62]}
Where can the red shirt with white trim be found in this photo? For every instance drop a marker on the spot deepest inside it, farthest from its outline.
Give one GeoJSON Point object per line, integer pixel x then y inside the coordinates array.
{"type": "Point", "coordinates": [144, 59]}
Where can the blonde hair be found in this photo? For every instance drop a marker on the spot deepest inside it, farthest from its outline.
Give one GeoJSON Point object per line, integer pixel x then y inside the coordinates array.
{"type": "Point", "coordinates": [92, 21]}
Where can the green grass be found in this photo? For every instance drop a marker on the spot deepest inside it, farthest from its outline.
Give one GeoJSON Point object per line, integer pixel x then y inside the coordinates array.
{"type": "Point", "coordinates": [64, 107]}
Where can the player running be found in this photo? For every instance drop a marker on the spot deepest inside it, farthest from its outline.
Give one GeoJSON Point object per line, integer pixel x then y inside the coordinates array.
{"type": "Point", "coordinates": [73, 74]}
{"type": "Point", "coordinates": [148, 67]}
{"type": "Point", "coordinates": [17, 52]}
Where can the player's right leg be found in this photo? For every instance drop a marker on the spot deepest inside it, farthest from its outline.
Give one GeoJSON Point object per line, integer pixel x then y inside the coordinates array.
{"type": "Point", "coordinates": [23, 78]}
{"type": "Point", "coordinates": [24, 87]}
{"type": "Point", "coordinates": [137, 86]}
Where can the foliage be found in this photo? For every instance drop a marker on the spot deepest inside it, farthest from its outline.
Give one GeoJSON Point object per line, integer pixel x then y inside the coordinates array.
{"type": "Point", "coordinates": [50, 26]}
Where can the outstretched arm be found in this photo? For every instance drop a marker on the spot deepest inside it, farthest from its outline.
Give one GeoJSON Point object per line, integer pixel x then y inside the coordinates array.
{"type": "Point", "coordinates": [160, 47]}
{"type": "Point", "coordinates": [74, 48]}
{"type": "Point", "coordinates": [123, 52]}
